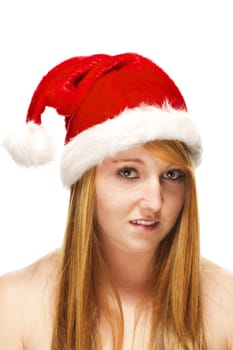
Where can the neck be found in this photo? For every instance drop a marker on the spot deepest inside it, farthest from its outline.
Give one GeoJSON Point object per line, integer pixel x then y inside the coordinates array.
{"type": "Point", "coordinates": [131, 271]}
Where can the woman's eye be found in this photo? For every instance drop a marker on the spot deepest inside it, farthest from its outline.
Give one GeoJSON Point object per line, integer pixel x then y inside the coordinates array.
{"type": "Point", "coordinates": [174, 175]}
{"type": "Point", "coordinates": [128, 173]}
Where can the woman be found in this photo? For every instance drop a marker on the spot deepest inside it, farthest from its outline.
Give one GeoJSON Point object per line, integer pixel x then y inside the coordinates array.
{"type": "Point", "coordinates": [129, 273]}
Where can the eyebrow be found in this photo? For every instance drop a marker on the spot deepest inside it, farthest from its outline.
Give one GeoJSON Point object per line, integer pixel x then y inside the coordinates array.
{"type": "Point", "coordinates": [137, 160]}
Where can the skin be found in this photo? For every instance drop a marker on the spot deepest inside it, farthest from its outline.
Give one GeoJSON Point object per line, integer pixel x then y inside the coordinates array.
{"type": "Point", "coordinates": [146, 193]}
{"type": "Point", "coordinates": [146, 198]}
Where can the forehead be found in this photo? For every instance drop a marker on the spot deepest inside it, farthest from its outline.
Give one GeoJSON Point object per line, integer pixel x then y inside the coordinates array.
{"type": "Point", "coordinates": [133, 152]}
{"type": "Point", "coordinates": [137, 154]}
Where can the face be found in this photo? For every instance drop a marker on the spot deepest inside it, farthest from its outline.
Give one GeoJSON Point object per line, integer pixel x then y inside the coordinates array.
{"type": "Point", "coordinates": [138, 200]}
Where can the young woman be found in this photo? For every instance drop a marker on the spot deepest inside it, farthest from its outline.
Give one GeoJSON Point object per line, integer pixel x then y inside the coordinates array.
{"type": "Point", "coordinates": [129, 273]}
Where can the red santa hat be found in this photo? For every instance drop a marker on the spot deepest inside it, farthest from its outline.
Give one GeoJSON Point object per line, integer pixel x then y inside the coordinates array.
{"type": "Point", "coordinates": [110, 103]}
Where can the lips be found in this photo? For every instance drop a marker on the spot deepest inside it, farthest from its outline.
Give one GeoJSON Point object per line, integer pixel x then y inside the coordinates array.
{"type": "Point", "coordinates": [145, 224]}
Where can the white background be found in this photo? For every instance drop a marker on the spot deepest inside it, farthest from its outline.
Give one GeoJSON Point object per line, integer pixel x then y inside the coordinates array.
{"type": "Point", "coordinates": [190, 40]}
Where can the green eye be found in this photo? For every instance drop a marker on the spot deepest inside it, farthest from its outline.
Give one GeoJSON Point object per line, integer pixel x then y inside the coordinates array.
{"type": "Point", "coordinates": [128, 173]}
{"type": "Point", "coordinates": [174, 174]}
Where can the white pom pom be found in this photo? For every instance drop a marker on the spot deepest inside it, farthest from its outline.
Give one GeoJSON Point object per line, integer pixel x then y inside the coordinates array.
{"type": "Point", "coordinates": [30, 145]}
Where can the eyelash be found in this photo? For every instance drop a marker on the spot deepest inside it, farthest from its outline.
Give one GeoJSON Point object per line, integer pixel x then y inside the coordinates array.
{"type": "Point", "coordinates": [123, 176]}
{"type": "Point", "coordinates": [180, 175]}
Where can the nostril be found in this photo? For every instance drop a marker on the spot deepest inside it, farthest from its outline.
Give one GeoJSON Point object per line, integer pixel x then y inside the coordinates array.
{"type": "Point", "coordinates": [153, 203]}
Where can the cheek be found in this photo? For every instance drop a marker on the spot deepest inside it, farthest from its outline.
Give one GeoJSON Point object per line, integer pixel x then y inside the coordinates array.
{"type": "Point", "coordinates": [106, 202]}
{"type": "Point", "coordinates": [175, 204]}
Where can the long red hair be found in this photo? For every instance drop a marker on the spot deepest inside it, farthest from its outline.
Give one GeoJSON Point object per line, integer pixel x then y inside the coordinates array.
{"type": "Point", "coordinates": [85, 292]}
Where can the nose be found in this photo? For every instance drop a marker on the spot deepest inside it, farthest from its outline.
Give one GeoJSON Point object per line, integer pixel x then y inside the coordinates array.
{"type": "Point", "coordinates": [152, 197]}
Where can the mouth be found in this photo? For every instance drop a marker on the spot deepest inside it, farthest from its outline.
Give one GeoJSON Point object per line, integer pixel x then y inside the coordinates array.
{"type": "Point", "coordinates": [145, 224]}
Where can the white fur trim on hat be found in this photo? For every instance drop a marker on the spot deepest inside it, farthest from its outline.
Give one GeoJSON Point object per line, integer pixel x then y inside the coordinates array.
{"type": "Point", "coordinates": [30, 145]}
{"type": "Point", "coordinates": [130, 128]}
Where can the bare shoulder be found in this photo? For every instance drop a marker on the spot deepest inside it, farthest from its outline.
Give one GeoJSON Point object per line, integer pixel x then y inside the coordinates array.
{"type": "Point", "coordinates": [217, 281]}
{"type": "Point", "coordinates": [22, 294]}
{"type": "Point", "coordinates": [217, 285]}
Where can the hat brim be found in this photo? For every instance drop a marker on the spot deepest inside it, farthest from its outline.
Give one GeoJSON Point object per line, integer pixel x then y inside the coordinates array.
{"type": "Point", "coordinates": [130, 128]}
